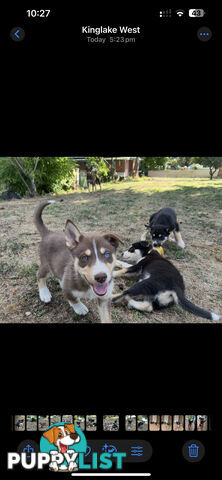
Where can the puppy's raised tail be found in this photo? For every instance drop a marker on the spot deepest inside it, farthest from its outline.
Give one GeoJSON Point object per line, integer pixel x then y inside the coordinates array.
{"type": "Point", "coordinates": [38, 217]}
{"type": "Point", "coordinates": [200, 312]}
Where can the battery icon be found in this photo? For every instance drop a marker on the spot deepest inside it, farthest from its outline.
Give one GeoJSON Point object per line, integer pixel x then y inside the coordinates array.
{"type": "Point", "coordinates": [196, 12]}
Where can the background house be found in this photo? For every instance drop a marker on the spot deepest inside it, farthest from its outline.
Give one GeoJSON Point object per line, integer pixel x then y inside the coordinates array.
{"type": "Point", "coordinates": [124, 166]}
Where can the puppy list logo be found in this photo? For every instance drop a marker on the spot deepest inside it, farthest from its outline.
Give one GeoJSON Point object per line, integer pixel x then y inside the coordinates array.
{"type": "Point", "coordinates": [63, 447]}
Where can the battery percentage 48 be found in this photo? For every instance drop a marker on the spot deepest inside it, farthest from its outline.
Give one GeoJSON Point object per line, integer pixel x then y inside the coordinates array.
{"type": "Point", "coordinates": [196, 12]}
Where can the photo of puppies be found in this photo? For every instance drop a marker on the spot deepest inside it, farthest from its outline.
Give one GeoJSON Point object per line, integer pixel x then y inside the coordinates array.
{"type": "Point", "coordinates": [154, 423]}
{"type": "Point", "coordinates": [190, 423]}
{"type": "Point", "coordinates": [122, 253]}
{"type": "Point", "coordinates": [130, 423]}
{"type": "Point", "coordinates": [55, 419]}
{"type": "Point", "coordinates": [67, 418]}
{"type": "Point", "coordinates": [110, 423]}
{"type": "Point", "coordinates": [178, 423]}
{"type": "Point", "coordinates": [142, 423]}
{"type": "Point", "coordinates": [31, 423]}
{"type": "Point", "coordinates": [91, 423]}
{"type": "Point", "coordinates": [19, 423]}
{"type": "Point", "coordinates": [43, 422]}
{"type": "Point", "coordinates": [166, 423]}
{"type": "Point", "coordinates": [202, 423]}
{"type": "Point", "coordinates": [79, 421]}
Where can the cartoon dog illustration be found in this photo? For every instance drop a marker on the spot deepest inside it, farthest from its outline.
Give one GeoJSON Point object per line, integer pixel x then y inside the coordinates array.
{"type": "Point", "coordinates": [63, 437]}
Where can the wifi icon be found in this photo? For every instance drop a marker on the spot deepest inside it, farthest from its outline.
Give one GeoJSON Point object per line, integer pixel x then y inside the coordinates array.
{"type": "Point", "coordinates": [180, 13]}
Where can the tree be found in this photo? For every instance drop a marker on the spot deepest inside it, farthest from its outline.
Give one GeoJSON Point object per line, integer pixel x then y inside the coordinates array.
{"type": "Point", "coordinates": [100, 166]}
{"type": "Point", "coordinates": [154, 163]}
{"type": "Point", "coordinates": [212, 162]}
{"type": "Point", "coordinates": [36, 175]}
{"type": "Point", "coordinates": [26, 172]}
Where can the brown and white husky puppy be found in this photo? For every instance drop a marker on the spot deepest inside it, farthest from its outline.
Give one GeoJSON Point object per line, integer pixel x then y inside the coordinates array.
{"type": "Point", "coordinates": [83, 264]}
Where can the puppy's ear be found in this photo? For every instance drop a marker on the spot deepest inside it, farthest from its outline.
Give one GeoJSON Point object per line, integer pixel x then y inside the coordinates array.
{"type": "Point", "coordinates": [113, 238]}
{"type": "Point", "coordinates": [50, 434]}
{"type": "Point", "coordinates": [72, 235]}
{"type": "Point", "coordinates": [72, 431]}
{"type": "Point", "coordinates": [70, 427]}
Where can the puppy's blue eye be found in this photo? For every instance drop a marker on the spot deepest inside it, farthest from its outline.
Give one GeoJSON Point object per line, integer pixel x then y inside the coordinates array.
{"type": "Point", "coordinates": [107, 255]}
{"type": "Point", "coordinates": [84, 258]}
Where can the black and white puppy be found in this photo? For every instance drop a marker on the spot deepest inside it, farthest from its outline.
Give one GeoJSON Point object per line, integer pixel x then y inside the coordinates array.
{"type": "Point", "coordinates": [161, 224]}
{"type": "Point", "coordinates": [160, 283]}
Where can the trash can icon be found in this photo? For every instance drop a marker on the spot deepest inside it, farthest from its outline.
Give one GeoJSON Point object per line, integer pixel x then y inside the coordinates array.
{"type": "Point", "coordinates": [193, 450]}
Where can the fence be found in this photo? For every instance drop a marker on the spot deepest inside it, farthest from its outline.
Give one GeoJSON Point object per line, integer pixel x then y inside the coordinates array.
{"type": "Point", "coordinates": [200, 173]}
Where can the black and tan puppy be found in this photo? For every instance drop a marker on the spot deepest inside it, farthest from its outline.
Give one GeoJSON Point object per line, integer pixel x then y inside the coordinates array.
{"type": "Point", "coordinates": [160, 283]}
{"type": "Point", "coordinates": [83, 264]}
{"type": "Point", "coordinates": [161, 224]}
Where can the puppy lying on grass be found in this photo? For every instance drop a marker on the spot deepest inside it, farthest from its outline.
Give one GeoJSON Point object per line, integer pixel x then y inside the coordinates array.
{"type": "Point", "coordinates": [160, 283]}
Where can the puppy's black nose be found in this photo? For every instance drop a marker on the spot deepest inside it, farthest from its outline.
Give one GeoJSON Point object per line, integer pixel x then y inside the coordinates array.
{"type": "Point", "coordinates": [101, 277]}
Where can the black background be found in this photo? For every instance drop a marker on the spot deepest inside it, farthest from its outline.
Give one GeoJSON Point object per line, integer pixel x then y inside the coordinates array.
{"type": "Point", "coordinates": [161, 96]}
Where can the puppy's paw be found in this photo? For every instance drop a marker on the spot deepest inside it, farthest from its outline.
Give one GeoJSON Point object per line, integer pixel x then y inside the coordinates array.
{"type": "Point", "coordinates": [79, 308]}
{"type": "Point", "coordinates": [121, 264]}
{"type": "Point", "coordinates": [181, 244]}
{"type": "Point", "coordinates": [45, 295]}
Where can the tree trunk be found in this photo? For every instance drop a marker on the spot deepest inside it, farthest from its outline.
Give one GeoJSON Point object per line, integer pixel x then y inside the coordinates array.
{"type": "Point", "coordinates": [19, 173]}
{"type": "Point", "coordinates": [34, 190]}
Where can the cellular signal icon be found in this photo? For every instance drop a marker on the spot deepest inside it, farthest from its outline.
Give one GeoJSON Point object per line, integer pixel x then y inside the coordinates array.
{"type": "Point", "coordinates": [180, 13]}
{"type": "Point", "coordinates": [166, 13]}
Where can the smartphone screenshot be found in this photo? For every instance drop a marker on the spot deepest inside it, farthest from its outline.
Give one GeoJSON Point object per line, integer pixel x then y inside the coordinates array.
{"type": "Point", "coordinates": [110, 241]}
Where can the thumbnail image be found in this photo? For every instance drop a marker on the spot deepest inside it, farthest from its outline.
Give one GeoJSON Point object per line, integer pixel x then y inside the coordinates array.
{"type": "Point", "coordinates": [55, 419]}
{"type": "Point", "coordinates": [178, 423]}
{"type": "Point", "coordinates": [142, 423]}
{"type": "Point", "coordinates": [67, 418]}
{"type": "Point", "coordinates": [190, 423]}
{"type": "Point", "coordinates": [130, 423]}
{"type": "Point", "coordinates": [111, 422]}
{"type": "Point", "coordinates": [43, 422]}
{"type": "Point", "coordinates": [166, 423]}
{"type": "Point", "coordinates": [91, 423]}
{"type": "Point", "coordinates": [154, 423]}
{"type": "Point", "coordinates": [202, 423]}
{"type": "Point", "coordinates": [19, 423]}
{"type": "Point", "coordinates": [79, 421]}
{"type": "Point", "coordinates": [168, 206]}
{"type": "Point", "coordinates": [31, 423]}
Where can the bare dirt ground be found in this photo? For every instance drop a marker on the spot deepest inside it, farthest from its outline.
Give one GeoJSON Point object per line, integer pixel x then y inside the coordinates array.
{"type": "Point", "coordinates": [123, 208]}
